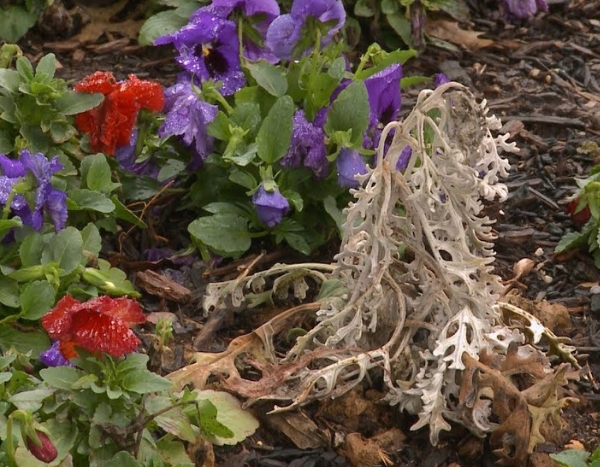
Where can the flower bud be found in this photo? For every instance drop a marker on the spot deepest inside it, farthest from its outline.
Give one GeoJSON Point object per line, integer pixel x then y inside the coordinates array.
{"type": "Point", "coordinates": [45, 450]}
{"type": "Point", "coordinates": [271, 206]}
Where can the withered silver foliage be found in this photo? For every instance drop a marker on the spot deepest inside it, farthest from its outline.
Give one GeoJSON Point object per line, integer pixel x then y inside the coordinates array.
{"type": "Point", "coordinates": [411, 294]}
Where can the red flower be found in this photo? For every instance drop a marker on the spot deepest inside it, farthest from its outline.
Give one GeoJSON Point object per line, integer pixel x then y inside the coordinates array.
{"type": "Point", "coordinates": [98, 325]}
{"type": "Point", "coordinates": [110, 124]}
{"type": "Point", "coordinates": [46, 451]}
{"type": "Point", "coordinates": [579, 218]}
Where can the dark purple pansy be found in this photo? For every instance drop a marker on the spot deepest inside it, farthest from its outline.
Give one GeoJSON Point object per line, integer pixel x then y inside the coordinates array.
{"type": "Point", "coordinates": [270, 206]}
{"type": "Point", "coordinates": [126, 157]}
{"type": "Point", "coordinates": [307, 147]}
{"type": "Point", "coordinates": [48, 200]}
{"type": "Point", "coordinates": [385, 98]}
{"type": "Point", "coordinates": [208, 47]}
{"type": "Point", "coordinates": [187, 117]}
{"type": "Point", "coordinates": [349, 164]}
{"type": "Point", "coordinates": [54, 357]}
{"type": "Point", "coordinates": [523, 9]}
{"type": "Point", "coordinates": [256, 16]}
{"type": "Point", "coordinates": [286, 30]}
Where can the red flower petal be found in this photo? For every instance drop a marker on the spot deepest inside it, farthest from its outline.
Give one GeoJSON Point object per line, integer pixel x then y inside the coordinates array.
{"type": "Point", "coordinates": [98, 332]}
{"type": "Point", "coordinates": [149, 94]}
{"type": "Point", "coordinates": [67, 348]}
{"type": "Point", "coordinates": [100, 81]}
{"type": "Point", "coordinates": [58, 321]}
{"type": "Point", "coordinates": [124, 309]}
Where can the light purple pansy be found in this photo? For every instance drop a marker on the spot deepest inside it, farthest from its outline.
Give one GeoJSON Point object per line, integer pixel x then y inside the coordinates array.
{"type": "Point", "coordinates": [48, 200]}
{"type": "Point", "coordinates": [524, 9]}
{"type": "Point", "coordinates": [270, 206]}
{"type": "Point", "coordinates": [54, 357]}
{"type": "Point", "coordinates": [187, 117]}
{"type": "Point", "coordinates": [349, 164]}
{"type": "Point", "coordinates": [286, 30]}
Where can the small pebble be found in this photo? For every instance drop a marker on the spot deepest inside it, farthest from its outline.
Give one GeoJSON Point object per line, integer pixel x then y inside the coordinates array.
{"type": "Point", "coordinates": [539, 252]}
{"type": "Point", "coordinates": [548, 279]}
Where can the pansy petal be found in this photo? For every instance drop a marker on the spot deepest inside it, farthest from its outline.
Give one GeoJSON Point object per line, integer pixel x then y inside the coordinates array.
{"type": "Point", "coordinates": [58, 321]}
{"type": "Point", "coordinates": [122, 308]}
{"type": "Point", "coordinates": [53, 356]}
{"type": "Point", "coordinates": [99, 332]}
{"type": "Point", "coordinates": [11, 168]}
{"type": "Point", "coordinates": [101, 81]}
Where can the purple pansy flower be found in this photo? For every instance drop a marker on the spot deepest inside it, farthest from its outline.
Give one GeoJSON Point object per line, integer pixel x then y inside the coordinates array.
{"type": "Point", "coordinates": [47, 199]}
{"type": "Point", "coordinates": [307, 147]}
{"type": "Point", "coordinates": [258, 15]}
{"type": "Point", "coordinates": [187, 116]}
{"type": "Point", "coordinates": [125, 156]}
{"type": "Point", "coordinates": [384, 94]}
{"type": "Point", "coordinates": [404, 158]}
{"type": "Point", "coordinates": [286, 30]}
{"type": "Point", "coordinates": [208, 47]}
{"type": "Point", "coordinates": [54, 357]}
{"type": "Point", "coordinates": [524, 9]}
{"type": "Point", "coordinates": [440, 79]}
{"type": "Point", "coordinates": [271, 206]}
{"type": "Point", "coordinates": [349, 164]}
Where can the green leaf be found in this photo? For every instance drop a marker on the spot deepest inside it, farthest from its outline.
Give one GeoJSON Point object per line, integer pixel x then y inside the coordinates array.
{"type": "Point", "coordinates": [82, 198]}
{"type": "Point", "coordinates": [219, 128]}
{"type": "Point", "coordinates": [46, 65]}
{"type": "Point", "coordinates": [571, 458]}
{"type": "Point", "coordinates": [144, 381]}
{"type": "Point", "coordinates": [570, 240]}
{"type": "Point", "coordinates": [134, 361]}
{"type": "Point", "coordinates": [30, 401]}
{"type": "Point", "coordinates": [35, 341]}
{"type": "Point", "coordinates": [332, 288]}
{"type": "Point", "coordinates": [170, 169]}
{"type": "Point", "coordinates": [61, 377]}
{"type": "Point", "coordinates": [243, 178]}
{"type": "Point", "coordinates": [73, 102]}
{"type": "Point", "coordinates": [230, 414]}
{"type": "Point", "coordinates": [65, 249]}
{"type": "Point", "coordinates": [122, 459]}
{"type": "Point", "coordinates": [92, 242]}
{"type": "Point", "coordinates": [275, 133]}
{"type": "Point", "coordinates": [95, 171]}
{"type": "Point", "coordinates": [9, 292]}
{"type": "Point", "coordinates": [7, 224]}
{"type": "Point", "coordinates": [15, 22]}
{"type": "Point", "coordinates": [9, 79]}
{"type": "Point", "coordinates": [6, 360]}
{"type": "Point", "coordinates": [401, 26]}
{"type": "Point", "coordinates": [226, 233]}
{"type": "Point", "coordinates": [219, 207]}
{"type": "Point", "coordinates": [173, 421]}
{"type": "Point", "coordinates": [165, 22]}
{"type": "Point", "coordinates": [334, 212]}
{"type": "Point", "coordinates": [350, 111]}
{"type": "Point", "coordinates": [36, 299]}
{"type": "Point", "coordinates": [123, 213]}
{"type": "Point", "coordinates": [297, 242]}
{"type": "Point", "coordinates": [364, 8]}
{"type": "Point", "coordinates": [268, 77]}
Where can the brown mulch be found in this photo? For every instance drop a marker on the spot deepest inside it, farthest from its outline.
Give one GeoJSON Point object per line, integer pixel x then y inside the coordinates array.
{"type": "Point", "coordinates": [542, 79]}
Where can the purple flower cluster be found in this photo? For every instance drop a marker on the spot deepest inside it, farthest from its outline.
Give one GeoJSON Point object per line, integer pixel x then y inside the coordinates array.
{"type": "Point", "coordinates": [36, 171]}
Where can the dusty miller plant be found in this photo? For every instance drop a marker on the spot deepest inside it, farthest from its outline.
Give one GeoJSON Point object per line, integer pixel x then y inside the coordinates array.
{"type": "Point", "coordinates": [428, 316]}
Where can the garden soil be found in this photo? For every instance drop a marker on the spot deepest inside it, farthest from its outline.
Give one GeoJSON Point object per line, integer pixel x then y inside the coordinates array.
{"type": "Point", "coordinates": [541, 77]}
